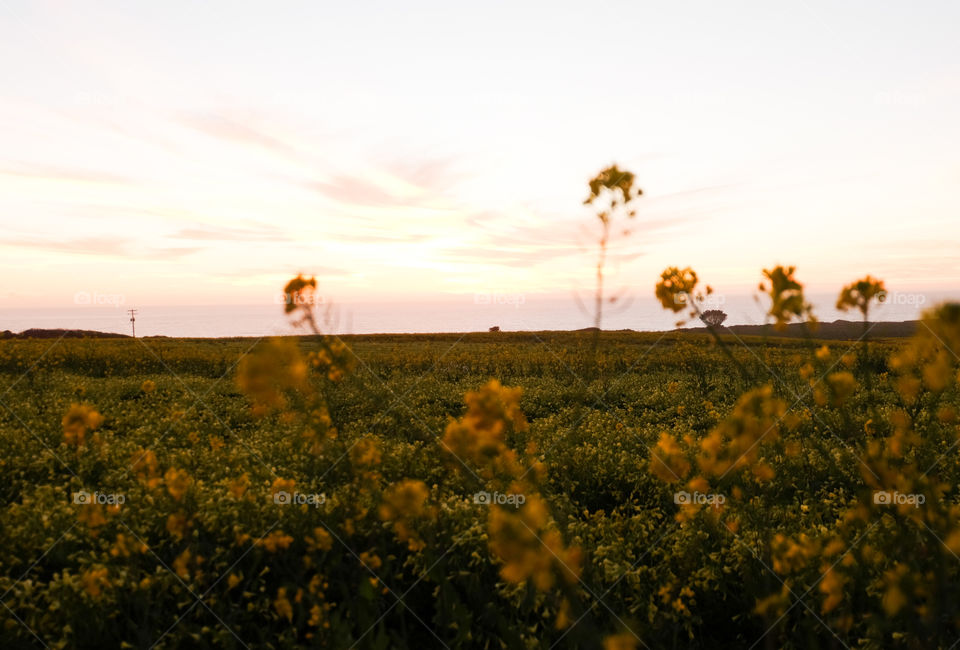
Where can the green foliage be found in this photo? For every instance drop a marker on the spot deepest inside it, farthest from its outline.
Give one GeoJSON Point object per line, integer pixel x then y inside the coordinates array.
{"type": "Point", "coordinates": [198, 470]}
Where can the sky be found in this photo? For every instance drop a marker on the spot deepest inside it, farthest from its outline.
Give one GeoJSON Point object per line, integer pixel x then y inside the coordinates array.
{"type": "Point", "coordinates": [181, 153]}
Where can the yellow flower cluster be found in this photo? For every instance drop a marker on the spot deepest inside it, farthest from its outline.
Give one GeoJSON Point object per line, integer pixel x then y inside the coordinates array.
{"type": "Point", "coordinates": [321, 540]}
{"type": "Point", "coordinates": [859, 295]}
{"type": "Point", "coordinates": [530, 548]}
{"type": "Point", "coordinates": [146, 467]}
{"type": "Point", "coordinates": [856, 548]}
{"type": "Point", "coordinates": [790, 555]}
{"type": "Point", "coordinates": [480, 436]}
{"type": "Point", "coordinates": [737, 441]}
{"type": "Point", "coordinates": [404, 505]}
{"type": "Point", "coordinates": [78, 421]}
{"type": "Point", "coordinates": [93, 516]}
{"type": "Point", "coordinates": [183, 563]}
{"type": "Point", "coordinates": [94, 581]}
{"type": "Point", "coordinates": [298, 293]}
{"type": "Point", "coordinates": [283, 485]}
{"type": "Point", "coordinates": [269, 372]}
{"type": "Point", "coordinates": [178, 524]}
{"type": "Point", "coordinates": [275, 541]}
{"type": "Point", "coordinates": [838, 388]}
{"type": "Point", "coordinates": [624, 641]}
{"type": "Point", "coordinates": [127, 545]}
{"type": "Point", "coordinates": [238, 487]}
{"type": "Point", "coordinates": [676, 291]}
{"type": "Point", "coordinates": [282, 605]}
{"type": "Point", "coordinates": [333, 360]}
{"type": "Point", "coordinates": [786, 296]}
{"type": "Point", "coordinates": [676, 287]}
{"type": "Point", "coordinates": [525, 539]}
{"type": "Point", "coordinates": [276, 379]}
{"type": "Point", "coordinates": [178, 482]}
{"type": "Point", "coordinates": [365, 457]}
{"type": "Point", "coordinates": [668, 460]}
{"type": "Point", "coordinates": [930, 361]}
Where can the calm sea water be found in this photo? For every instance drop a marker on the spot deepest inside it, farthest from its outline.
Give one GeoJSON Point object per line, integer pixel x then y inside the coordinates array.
{"type": "Point", "coordinates": [468, 314]}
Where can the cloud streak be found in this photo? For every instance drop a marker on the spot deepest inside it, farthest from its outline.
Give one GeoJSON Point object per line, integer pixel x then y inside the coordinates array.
{"type": "Point", "coordinates": [104, 247]}
{"type": "Point", "coordinates": [229, 129]}
{"type": "Point", "coordinates": [56, 173]}
{"type": "Point", "coordinates": [258, 232]}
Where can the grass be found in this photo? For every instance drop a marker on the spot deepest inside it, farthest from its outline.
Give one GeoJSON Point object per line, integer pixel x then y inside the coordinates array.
{"type": "Point", "coordinates": [200, 555]}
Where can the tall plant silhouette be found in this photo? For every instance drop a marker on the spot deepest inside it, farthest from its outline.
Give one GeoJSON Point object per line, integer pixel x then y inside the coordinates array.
{"type": "Point", "coordinates": [612, 193]}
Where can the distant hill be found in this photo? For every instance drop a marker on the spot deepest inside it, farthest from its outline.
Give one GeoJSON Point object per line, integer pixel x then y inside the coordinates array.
{"type": "Point", "coordinates": [36, 333]}
{"type": "Point", "coordinates": [838, 330]}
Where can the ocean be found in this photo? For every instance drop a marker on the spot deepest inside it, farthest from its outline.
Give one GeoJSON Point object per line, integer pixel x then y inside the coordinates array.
{"type": "Point", "coordinates": [510, 312]}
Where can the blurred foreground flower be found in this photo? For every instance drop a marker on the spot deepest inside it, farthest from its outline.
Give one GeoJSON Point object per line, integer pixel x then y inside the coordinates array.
{"type": "Point", "coordinates": [786, 296]}
{"type": "Point", "coordinates": [78, 421]}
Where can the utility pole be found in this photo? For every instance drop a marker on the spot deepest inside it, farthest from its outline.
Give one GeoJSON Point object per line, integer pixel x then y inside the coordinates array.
{"type": "Point", "coordinates": [133, 319]}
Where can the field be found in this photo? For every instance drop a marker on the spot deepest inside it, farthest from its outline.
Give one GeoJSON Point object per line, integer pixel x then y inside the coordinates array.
{"type": "Point", "coordinates": [642, 490]}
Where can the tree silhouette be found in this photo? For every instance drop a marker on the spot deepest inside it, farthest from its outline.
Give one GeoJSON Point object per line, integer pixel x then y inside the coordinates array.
{"type": "Point", "coordinates": [713, 317]}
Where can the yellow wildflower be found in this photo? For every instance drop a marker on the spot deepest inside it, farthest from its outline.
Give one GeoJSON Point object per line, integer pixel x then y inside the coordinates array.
{"type": "Point", "coordinates": [94, 581]}
{"type": "Point", "coordinates": [181, 565]}
{"type": "Point", "coordinates": [178, 481]}
{"type": "Point", "coordinates": [365, 453]}
{"type": "Point", "coordinates": [177, 525]}
{"type": "Point", "coordinates": [78, 421]}
{"type": "Point", "coordinates": [859, 294]}
{"type": "Point", "coordinates": [786, 295]}
{"type": "Point", "coordinates": [282, 605]}
{"type": "Point", "coordinates": [675, 288]}
{"type": "Point", "coordinates": [320, 540]}
{"type": "Point", "coordinates": [238, 486]}
{"type": "Point", "coordinates": [667, 460]}
{"type": "Point", "coordinates": [403, 504]}
{"type": "Point", "coordinates": [275, 541]}
{"type": "Point", "coordinates": [625, 641]}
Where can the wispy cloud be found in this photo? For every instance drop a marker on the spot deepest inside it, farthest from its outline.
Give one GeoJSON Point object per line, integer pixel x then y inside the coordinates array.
{"type": "Point", "coordinates": [397, 184]}
{"type": "Point", "coordinates": [381, 237]}
{"type": "Point", "coordinates": [353, 190]}
{"type": "Point", "coordinates": [47, 172]}
{"type": "Point", "coordinates": [514, 256]}
{"type": "Point", "coordinates": [238, 131]}
{"type": "Point", "coordinates": [435, 176]}
{"type": "Point", "coordinates": [258, 232]}
{"type": "Point", "coordinates": [257, 272]}
{"type": "Point", "coordinates": [101, 246]}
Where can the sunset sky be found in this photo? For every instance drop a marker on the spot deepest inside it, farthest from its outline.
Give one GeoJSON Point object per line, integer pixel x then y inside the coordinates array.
{"type": "Point", "coordinates": [191, 153]}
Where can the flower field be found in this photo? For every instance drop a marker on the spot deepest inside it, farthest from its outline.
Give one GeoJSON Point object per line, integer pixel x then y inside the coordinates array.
{"type": "Point", "coordinates": [501, 490]}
